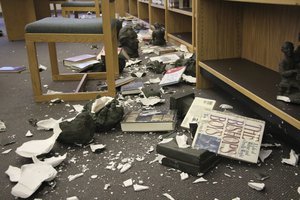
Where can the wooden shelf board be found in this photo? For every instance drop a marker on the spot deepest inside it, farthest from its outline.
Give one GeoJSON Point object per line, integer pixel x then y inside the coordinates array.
{"type": "Point", "coordinates": [144, 2]}
{"type": "Point", "coordinates": [184, 37]}
{"type": "Point", "coordinates": [184, 11]}
{"type": "Point", "coordinates": [279, 2]}
{"type": "Point", "coordinates": [255, 82]}
{"type": "Point", "coordinates": [158, 6]}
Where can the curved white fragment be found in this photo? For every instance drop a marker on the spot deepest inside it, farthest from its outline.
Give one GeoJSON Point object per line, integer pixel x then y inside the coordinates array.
{"type": "Point", "coordinates": [53, 161]}
{"type": "Point", "coordinates": [47, 124]}
{"type": "Point", "coordinates": [14, 173]}
{"type": "Point", "coordinates": [100, 103]}
{"type": "Point", "coordinates": [32, 176]}
{"type": "Point", "coordinates": [200, 180]}
{"type": "Point", "coordinates": [168, 196]}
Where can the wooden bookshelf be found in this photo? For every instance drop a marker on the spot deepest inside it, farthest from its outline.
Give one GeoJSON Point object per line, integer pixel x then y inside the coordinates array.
{"type": "Point", "coordinates": [143, 10]}
{"type": "Point", "coordinates": [133, 10]}
{"type": "Point", "coordinates": [157, 13]}
{"type": "Point", "coordinates": [238, 45]}
{"type": "Point", "coordinates": [180, 25]}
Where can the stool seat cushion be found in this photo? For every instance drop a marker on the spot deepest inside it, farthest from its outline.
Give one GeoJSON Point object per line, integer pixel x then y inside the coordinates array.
{"type": "Point", "coordinates": [66, 25]}
{"type": "Point", "coordinates": [78, 4]}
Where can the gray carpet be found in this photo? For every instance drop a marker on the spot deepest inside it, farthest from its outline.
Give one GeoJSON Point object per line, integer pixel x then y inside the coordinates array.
{"type": "Point", "coordinates": [226, 181]}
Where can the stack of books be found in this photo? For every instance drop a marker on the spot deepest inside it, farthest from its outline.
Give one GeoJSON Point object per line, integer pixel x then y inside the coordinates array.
{"type": "Point", "coordinates": [189, 160]}
{"type": "Point", "coordinates": [81, 63]}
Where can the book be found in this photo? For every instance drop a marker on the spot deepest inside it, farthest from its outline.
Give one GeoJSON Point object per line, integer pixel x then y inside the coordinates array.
{"type": "Point", "coordinates": [189, 168]}
{"type": "Point", "coordinates": [122, 81]}
{"type": "Point", "coordinates": [166, 58]}
{"type": "Point", "coordinates": [149, 120]}
{"type": "Point", "coordinates": [194, 113]}
{"type": "Point", "coordinates": [132, 88]}
{"type": "Point", "coordinates": [163, 50]}
{"type": "Point", "coordinates": [229, 135]}
{"type": "Point", "coordinates": [172, 76]}
{"type": "Point", "coordinates": [85, 65]}
{"type": "Point", "coordinates": [12, 69]}
{"type": "Point", "coordinates": [69, 62]}
{"type": "Point", "coordinates": [188, 155]}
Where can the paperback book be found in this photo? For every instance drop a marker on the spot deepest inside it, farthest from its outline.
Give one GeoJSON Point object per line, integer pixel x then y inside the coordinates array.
{"type": "Point", "coordinates": [194, 113]}
{"type": "Point", "coordinates": [163, 50]}
{"type": "Point", "coordinates": [172, 76]}
{"type": "Point", "coordinates": [229, 135]}
{"type": "Point", "coordinates": [149, 120]}
{"type": "Point", "coordinates": [69, 62]}
{"type": "Point", "coordinates": [12, 69]}
{"type": "Point", "coordinates": [84, 66]}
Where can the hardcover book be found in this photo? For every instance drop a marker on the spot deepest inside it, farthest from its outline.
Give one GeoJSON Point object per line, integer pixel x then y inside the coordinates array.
{"type": "Point", "coordinates": [189, 168]}
{"type": "Point", "coordinates": [12, 69]}
{"type": "Point", "coordinates": [172, 76]}
{"type": "Point", "coordinates": [149, 120]}
{"type": "Point", "coordinates": [85, 65]}
{"type": "Point", "coordinates": [188, 155]}
{"type": "Point", "coordinates": [194, 113]}
{"type": "Point", "coordinates": [163, 50]}
{"type": "Point", "coordinates": [69, 62]}
{"type": "Point", "coordinates": [132, 88]}
{"type": "Point", "coordinates": [229, 135]}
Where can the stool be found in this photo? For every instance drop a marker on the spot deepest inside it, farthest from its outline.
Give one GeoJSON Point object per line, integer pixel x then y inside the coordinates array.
{"type": "Point", "coordinates": [72, 30]}
{"type": "Point", "coordinates": [80, 6]}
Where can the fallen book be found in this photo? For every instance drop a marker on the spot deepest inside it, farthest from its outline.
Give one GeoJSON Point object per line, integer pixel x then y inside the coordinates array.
{"type": "Point", "coordinates": [149, 120]}
{"type": "Point", "coordinates": [132, 88]}
{"type": "Point", "coordinates": [189, 155]}
{"type": "Point", "coordinates": [194, 112]}
{"type": "Point", "coordinates": [163, 50]}
{"type": "Point", "coordinates": [84, 66]}
{"type": "Point", "coordinates": [172, 76]}
{"type": "Point", "coordinates": [229, 135]}
{"type": "Point", "coordinates": [69, 62]}
{"type": "Point", "coordinates": [189, 168]}
{"type": "Point", "coordinates": [12, 69]}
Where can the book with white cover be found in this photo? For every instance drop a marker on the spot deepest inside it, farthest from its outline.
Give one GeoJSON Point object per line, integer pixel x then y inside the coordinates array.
{"type": "Point", "coordinates": [84, 65]}
{"type": "Point", "coordinates": [194, 113]}
{"type": "Point", "coordinates": [78, 59]}
{"type": "Point", "coordinates": [229, 135]}
{"type": "Point", "coordinates": [172, 76]}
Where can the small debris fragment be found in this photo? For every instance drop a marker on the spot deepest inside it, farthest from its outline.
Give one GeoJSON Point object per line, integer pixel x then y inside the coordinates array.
{"type": "Point", "coordinates": [168, 196]}
{"type": "Point", "coordinates": [125, 167]}
{"type": "Point", "coordinates": [261, 176]}
{"type": "Point", "coordinates": [2, 126]}
{"type": "Point", "coordinates": [182, 141]}
{"type": "Point", "coordinates": [150, 150]}
{"type": "Point", "coordinates": [106, 186]}
{"type": "Point", "coordinates": [128, 183]}
{"type": "Point", "coordinates": [200, 180]}
{"type": "Point", "coordinates": [28, 134]}
{"type": "Point", "coordinates": [298, 190]}
{"type": "Point", "coordinates": [73, 177]}
{"type": "Point", "coordinates": [137, 187]}
{"type": "Point", "coordinates": [97, 147]}
{"type": "Point", "coordinates": [293, 160]}
{"type": "Point", "coordinates": [140, 158]}
{"type": "Point", "coordinates": [256, 186]}
{"type": "Point", "coordinates": [7, 151]}
{"type": "Point", "coordinates": [263, 154]}
{"type": "Point", "coordinates": [42, 68]}
{"type": "Point", "coordinates": [94, 176]}
{"type": "Point", "coordinates": [165, 140]}
{"type": "Point", "coordinates": [72, 198]}
{"type": "Point", "coordinates": [184, 176]}
{"type": "Point", "coordinates": [47, 124]}
{"type": "Point", "coordinates": [226, 107]}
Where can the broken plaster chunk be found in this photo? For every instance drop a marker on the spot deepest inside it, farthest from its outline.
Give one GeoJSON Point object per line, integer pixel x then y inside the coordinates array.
{"type": "Point", "coordinates": [188, 79]}
{"type": "Point", "coordinates": [38, 147]}
{"type": "Point", "coordinates": [106, 186]}
{"type": "Point", "coordinates": [256, 186]}
{"type": "Point", "coordinates": [32, 176]}
{"type": "Point", "coordinates": [94, 176]}
{"type": "Point", "coordinates": [128, 183]}
{"type": "Point", "coordinates": [184, 176]}
{"type": "Point", "coordinates": [78, 108]}
{"type": "Point", "coordinates": [138, 187]}
{"type": "Point", "coordinates": [151, 101]}
{"type": "Point", "coordinates": [2, 126]}
{"type": "Point", "coordinates": [298, 190]}
{"type": "Point", "coordinates": [226, 107]}
{"type": "Point", "coordinates": [75, 176]}
{"type": "Point", "coordinates": [150, 150]}
{"type": "Point", "coordinates": [200, 180]}
{"type": "Point", "coordinates": [140, 158]}
{"type": "Point", "coordinates": [28, 134]}
{"type": "Point", "coordinates": [47, 124]}
{"type": "Point", "coordinates": [165, 140]}
{"type": "Point", "coordinates": [125, 167]}
{"type": "Point", "coordinates": [168, 196]}
{"type": "Point", "coordinates": [158, 158]}
{"type": "Point", "coordinates": [293, 160]}
{"type": "Point", "coordinates": [97, 147]}
{"type": "Point", "coordinates": [264, 154]}
{"type": "Point", "coordinates": [6, 151]}
{"type": "Point", "coordinates": [72, 198]}
{"type": "Point", "coordinates": [182, 141]}
{"type": "Point", "coordinates": [55, 160]}
{"type": "Point", "coordinates": [14, 173]}
{"type": "Point", "coordinates": [154, 80]}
